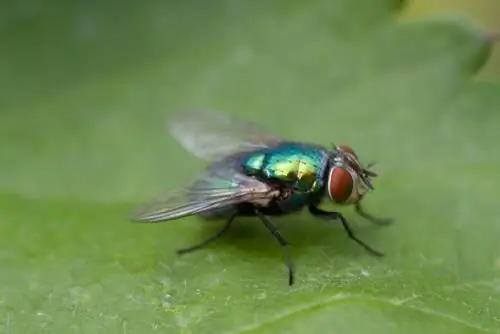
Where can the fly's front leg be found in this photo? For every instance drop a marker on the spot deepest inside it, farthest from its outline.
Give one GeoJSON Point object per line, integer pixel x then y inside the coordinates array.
{"type": "Point", "coordinates": [377, 221]}
{"type": "Point", "coordinates": [327, 215]}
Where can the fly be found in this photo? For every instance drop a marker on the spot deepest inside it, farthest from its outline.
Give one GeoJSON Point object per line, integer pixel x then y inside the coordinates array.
{"type": "Point", "coordinates": [254, 173]}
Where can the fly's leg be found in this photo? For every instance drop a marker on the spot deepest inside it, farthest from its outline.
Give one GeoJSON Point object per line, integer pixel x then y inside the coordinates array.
{"type": "Point", "coordinates": [282, 242]}
{"type": "Point", "coordinates": [377, 221]}
{"type": "Point", "coordinates": [317, 212]}
{"type": "Point", "coordinates": [219, 233]}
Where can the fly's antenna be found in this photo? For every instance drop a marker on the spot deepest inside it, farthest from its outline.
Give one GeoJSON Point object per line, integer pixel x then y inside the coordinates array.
{"type": "Point", "coordinates": [368, 171]}
{"type": "Point", "coordinates": [367, 181]}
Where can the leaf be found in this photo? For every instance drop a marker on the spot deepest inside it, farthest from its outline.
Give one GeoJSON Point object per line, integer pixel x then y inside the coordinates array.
{"type": "Point", "coordinates": [86, 90]}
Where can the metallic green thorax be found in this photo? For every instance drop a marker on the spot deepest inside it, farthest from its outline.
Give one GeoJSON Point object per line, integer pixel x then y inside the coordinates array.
{"type": "Point", "coordinates": [300, 166]}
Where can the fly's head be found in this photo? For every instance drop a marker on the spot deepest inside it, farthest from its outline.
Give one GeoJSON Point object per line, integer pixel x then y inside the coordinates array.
{"type": "Point", "coordinates": [348, 180]}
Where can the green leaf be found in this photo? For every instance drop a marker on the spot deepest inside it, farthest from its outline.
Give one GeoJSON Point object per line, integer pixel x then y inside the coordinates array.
{"type": "Point", "coordinates": [86, 89]}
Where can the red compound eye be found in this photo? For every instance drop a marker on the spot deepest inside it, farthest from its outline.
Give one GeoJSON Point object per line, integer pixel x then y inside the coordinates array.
{"type": "Point", "coordinates": [340, 184]}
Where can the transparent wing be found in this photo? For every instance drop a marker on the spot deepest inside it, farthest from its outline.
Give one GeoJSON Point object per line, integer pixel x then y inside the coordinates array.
{"type": "Point", "coordinates": [220, 186]}
{"type": "Point", "coordinates": [212, 135]}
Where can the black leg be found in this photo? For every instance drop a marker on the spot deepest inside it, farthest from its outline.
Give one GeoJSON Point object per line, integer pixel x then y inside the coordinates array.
{"type": "Point", "coordinates": [212, 238]}
{"type": "Point", "coordinates": [315, 211]}
{"type": "Point", "coordinates": [282, 242]}
{"type": "Point", "coordinates": [369, 217]}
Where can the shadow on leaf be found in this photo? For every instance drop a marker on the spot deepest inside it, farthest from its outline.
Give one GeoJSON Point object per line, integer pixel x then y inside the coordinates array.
{"type": "Point", "coordinates": [248, 238]}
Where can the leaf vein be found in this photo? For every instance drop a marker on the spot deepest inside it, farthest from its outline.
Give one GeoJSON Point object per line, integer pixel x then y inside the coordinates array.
{"type": "Point", "coordinates": [351, 297]}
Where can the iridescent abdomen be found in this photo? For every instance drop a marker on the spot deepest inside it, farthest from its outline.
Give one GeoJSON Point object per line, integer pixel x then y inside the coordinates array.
{"type": "Point", "coordinates": [299, 166]}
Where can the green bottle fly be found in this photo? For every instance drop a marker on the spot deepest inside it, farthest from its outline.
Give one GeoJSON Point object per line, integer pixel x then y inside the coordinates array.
{"type": "Point", "coordinates": [254, 173]}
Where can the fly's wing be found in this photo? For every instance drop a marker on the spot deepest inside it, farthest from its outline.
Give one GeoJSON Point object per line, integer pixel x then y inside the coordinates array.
{"type": "Point", "coordinates": [211, 135]}
{"type": "Point", "coordinates": [220, 186]}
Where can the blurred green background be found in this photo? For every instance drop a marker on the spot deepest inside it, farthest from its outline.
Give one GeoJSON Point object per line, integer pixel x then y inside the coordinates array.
{"type": "Point", "coordinates": [482, 12]}
{"type": "Point", "coordinates": [86, 88]}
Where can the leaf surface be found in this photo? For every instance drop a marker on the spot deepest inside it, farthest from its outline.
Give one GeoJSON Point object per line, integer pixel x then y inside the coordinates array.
{"type": "Point", "coordinates": [86, 90]}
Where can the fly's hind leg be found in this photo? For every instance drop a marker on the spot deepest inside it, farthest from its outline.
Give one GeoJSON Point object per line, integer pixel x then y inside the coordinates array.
{"type": "Point", "coordinates": [374, 220]}
{"type": "Point", "coordinates": [327, 215]}
{"type": "Point", "coordinates": [219, 233]}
